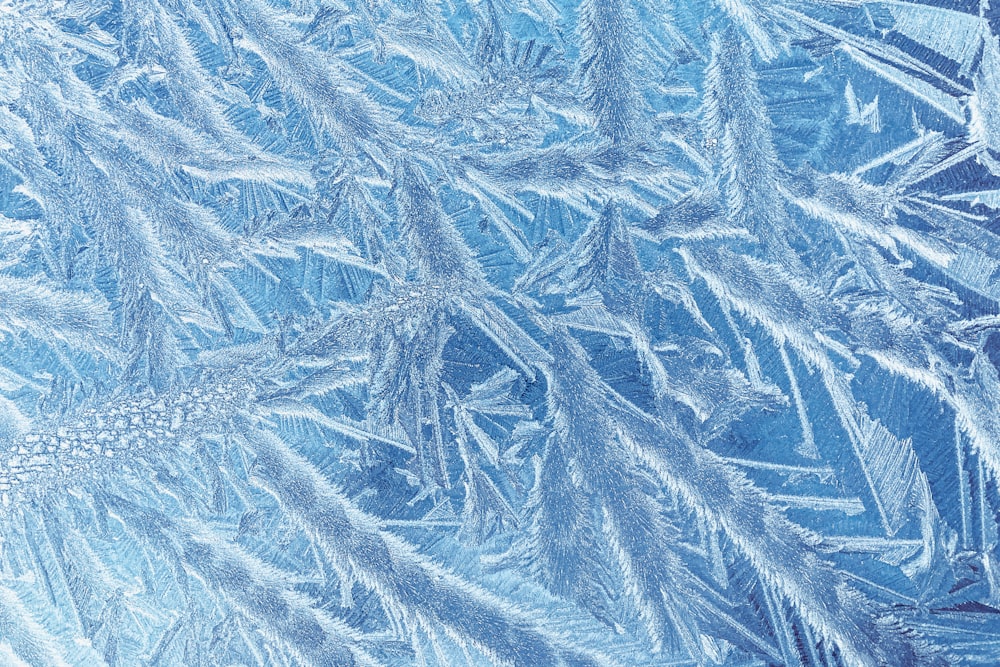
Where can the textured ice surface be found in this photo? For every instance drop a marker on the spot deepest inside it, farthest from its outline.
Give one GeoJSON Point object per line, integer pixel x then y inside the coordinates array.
{"type": "Point", "coordinates": [499, 332]}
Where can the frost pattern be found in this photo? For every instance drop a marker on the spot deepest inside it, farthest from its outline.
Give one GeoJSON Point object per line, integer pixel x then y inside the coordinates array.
{"type": "Point", "coordinates": [500, 332]}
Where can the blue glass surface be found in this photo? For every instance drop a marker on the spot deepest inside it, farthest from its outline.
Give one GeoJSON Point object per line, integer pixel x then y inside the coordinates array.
{"type": "Point", "coordinates": [499, 332]}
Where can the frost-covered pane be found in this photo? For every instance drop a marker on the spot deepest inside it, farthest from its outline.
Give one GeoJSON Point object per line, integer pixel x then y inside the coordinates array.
{"type": "Point", "coordinates": [499, 332]}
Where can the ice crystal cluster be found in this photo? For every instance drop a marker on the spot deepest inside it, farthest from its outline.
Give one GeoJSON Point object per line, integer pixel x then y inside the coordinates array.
{"type": "Point", "coordinates": [514, 333]}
